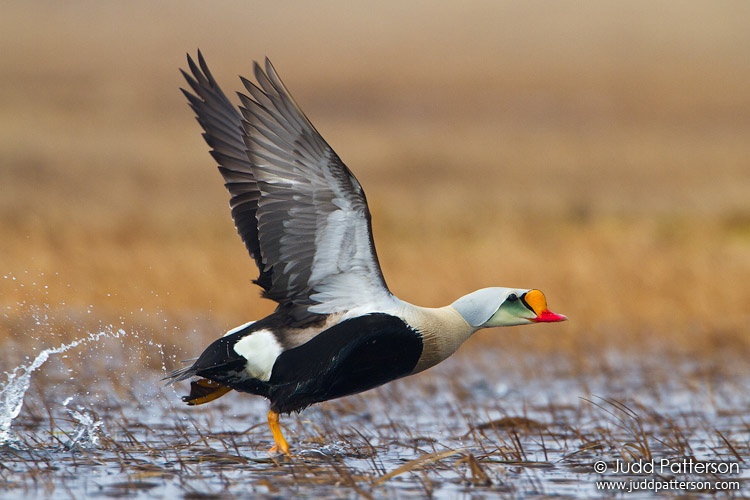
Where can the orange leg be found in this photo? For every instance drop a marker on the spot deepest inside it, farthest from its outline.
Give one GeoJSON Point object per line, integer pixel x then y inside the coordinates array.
{"type": "Point", "coordinates": [281, 444]}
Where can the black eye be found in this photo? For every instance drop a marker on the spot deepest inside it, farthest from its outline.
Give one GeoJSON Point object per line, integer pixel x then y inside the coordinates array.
{"type": "Point", "coordinates": [512, 297]}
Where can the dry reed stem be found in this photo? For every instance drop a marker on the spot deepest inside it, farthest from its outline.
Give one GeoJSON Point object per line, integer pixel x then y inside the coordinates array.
{"type": "Point", "coordinates": [416, 464]}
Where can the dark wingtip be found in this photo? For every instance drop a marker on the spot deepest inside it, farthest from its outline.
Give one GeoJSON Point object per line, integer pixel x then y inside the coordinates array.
{"type": "Point", "coordinates": [191, 64]}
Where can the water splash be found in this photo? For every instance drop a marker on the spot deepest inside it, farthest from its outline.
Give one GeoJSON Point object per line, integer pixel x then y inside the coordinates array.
{"type": "Point", "coordinates": [88, 427]}
{"type": "Point", "coordinates": [19, 380]}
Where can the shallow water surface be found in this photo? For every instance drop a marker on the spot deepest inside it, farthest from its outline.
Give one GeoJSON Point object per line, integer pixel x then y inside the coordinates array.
{"type": "Point", "coordinates": [96, 422]}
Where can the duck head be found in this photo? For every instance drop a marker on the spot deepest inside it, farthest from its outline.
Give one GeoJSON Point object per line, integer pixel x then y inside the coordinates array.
{"type": "Point", "coordinates": [497, 306]}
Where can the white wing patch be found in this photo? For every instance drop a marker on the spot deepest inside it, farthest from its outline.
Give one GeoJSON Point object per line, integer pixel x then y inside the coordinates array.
{"type": "Point", "coordinates": [238, 328]}
{"type": "Point", "coordinates": [339, 292]}
{"type": "Point", "coordinates": [260, 349]}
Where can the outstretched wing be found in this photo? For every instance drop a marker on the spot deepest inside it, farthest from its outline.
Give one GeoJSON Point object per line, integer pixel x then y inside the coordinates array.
{"type": "Point", "coordinates": [224, 133]}
{"type": "Point", "coordinates": [300, 211]}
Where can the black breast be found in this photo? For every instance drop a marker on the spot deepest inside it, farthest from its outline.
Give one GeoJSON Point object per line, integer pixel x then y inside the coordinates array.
{"type": "Point", "coordinates": [353, 356]}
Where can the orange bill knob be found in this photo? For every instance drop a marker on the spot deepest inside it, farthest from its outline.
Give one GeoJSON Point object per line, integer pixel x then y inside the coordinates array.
{"type": "Point", "coordinates": [538, 303]}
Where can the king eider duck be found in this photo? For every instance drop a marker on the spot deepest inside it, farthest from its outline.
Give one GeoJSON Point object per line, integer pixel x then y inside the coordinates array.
{"type": "Point", "coordinates": [303, 216]}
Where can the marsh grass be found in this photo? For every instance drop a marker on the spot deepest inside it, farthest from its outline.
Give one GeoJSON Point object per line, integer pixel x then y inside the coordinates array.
{"type": "Point", "coordinates": [539, 439]}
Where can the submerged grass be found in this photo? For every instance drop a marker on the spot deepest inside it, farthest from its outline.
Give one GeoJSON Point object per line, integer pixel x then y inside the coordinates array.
{"type": "Point", "coordinates": [539, 439]}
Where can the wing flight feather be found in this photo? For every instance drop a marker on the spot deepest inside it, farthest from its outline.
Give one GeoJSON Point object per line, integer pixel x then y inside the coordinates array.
{"type": "Point", "coordinates": [300, 211]}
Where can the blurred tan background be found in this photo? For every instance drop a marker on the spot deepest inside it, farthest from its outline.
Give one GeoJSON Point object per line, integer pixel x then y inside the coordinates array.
{"type": "Point", "coordinates": [599, 151]}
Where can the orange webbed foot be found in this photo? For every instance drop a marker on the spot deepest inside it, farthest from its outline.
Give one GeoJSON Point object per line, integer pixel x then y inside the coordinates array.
{"type": "Point", "coordinates": [278, 438]}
